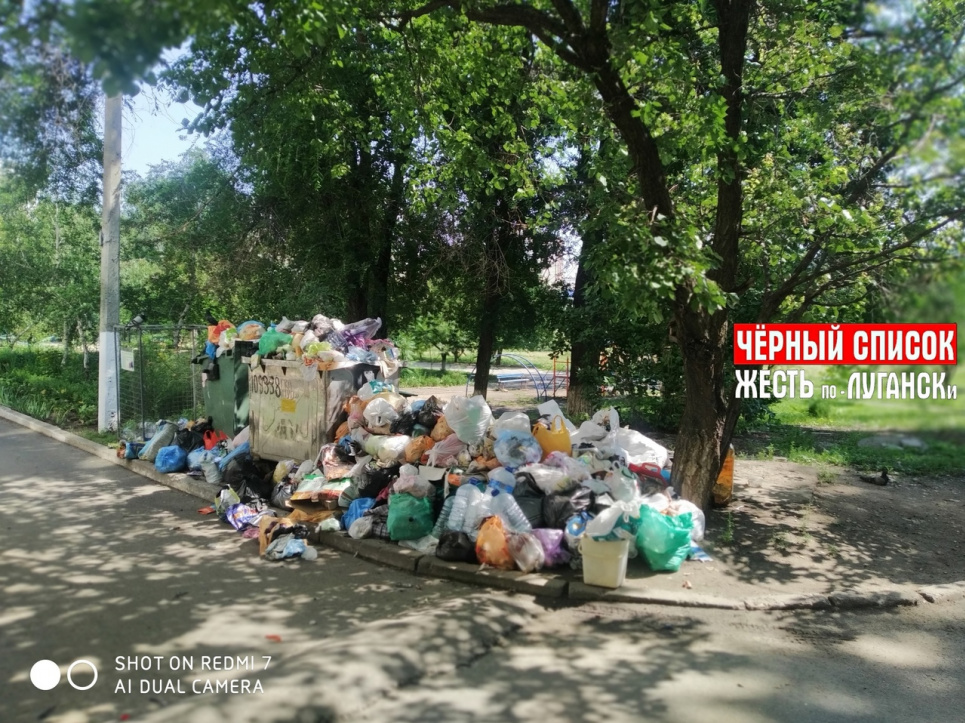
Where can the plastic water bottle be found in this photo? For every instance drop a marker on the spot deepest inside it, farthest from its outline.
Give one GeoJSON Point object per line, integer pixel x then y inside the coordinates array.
{"type": "Point", "coordinates": [513, 518]}
{"type": "Point", "coordinates": [501, 480]}
{"type": "Point", "coordinates": [443, 517]}
{"type": "Point", "coordinates": [466, 494]}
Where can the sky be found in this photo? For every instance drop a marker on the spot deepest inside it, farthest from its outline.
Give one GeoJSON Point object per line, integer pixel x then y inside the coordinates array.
{"type": "Point", "coordinates": [152, 130]}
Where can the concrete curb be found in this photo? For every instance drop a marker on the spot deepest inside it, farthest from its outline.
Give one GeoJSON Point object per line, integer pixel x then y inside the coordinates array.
{"type": "Point", "coordinates": [537, 584]}
{"type": "Point", "coordinates": [179, 482]}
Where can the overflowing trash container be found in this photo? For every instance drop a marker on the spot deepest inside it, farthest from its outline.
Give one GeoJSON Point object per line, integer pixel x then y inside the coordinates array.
{"type": "Point", "coordinates": [226, 389]}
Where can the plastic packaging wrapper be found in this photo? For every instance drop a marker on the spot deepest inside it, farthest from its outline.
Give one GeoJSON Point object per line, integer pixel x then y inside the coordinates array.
{"type": "Point", "coordinates": [285, 325]}
{"type": "Point", "coordinates": [281, 494]}
{"type": "Point", "coordinates": [411, 483]}
{"type": "Point", "coordinates": [250, 330]}
{"type": "Point", "coordinates": [171, 459]}
{"type": "Point", "coordinates": [241, 438]}
{"type": "Point", "coordinates": [517, 449]}
{"type": "Point", "coordinates": [242, 515]}
{"type": "Point", "coordinates": [162, 438]}
{"type": "Point", "coordinates": [527, 552]}
{"type": "Point", "coordinates": [658, 501]}
{"type": "Point", "coordinates": [492, 545]}
{"type": "Point", "coordinates": [469, 418]}
{"type": "Point", "coordinates": [304, 468]}
{"type": "Point", "coordinates": [576, 470]}
{"type": "Point", "coordinates": [617, 522]}
{"type": "Point", "coordinates": [359, 333]}
{"type": "Point", "coordinates": [597, 427]}
{"type": "Point", "coordinates": [361, 528]}
{"type": "Point", "coordinates": [426, 545]}
{"type": "Point", "coordinates": [640, 449]}
{"type": "Point", "coordinates": [334, 462]}
{"type": "Point", "coordinates": [198, 457]}
{"type": "Point", "coordinates": [393, 449]}
{"type": "Point", "coordinates": [683, 507]}
{"type": "Point", "coordinates": [371, 388]}
{"type": "Point", "coordinates": [289, 546]}
{"type": "Point", "coordinates": [664, 540]}
{"type": "Point", "coordinates": [322, 325]}
{"type": "Point", "coordinates": [226, 498]}
{"type": "Point", "coordinates": [357, 509]}
{"type": "Point", "coordinates": [550, 480]}
{"type": "Point", "coordinates": [622, 485]}
{"type": "Point", "coordinates": [379, 413]}
{"type": "Point", "coordinates": [555, 438]}
{"type": "Point", "coordinates": [456, 546]}
{"type": "Point", "coordinates": [530, 500]}
{"type": "Point", "coordinates": [516, 421]}
{"type": "Point", "coordinates": [552, 541]}
{"type": "Point", "coordinates": [445, 452]}
{"type": "Point", "coordinates": [574, 530]}
{"type": "Point", "coordinates": [282, 470]}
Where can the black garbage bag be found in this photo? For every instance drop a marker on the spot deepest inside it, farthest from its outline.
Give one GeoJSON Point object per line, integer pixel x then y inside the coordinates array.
{"type": "Point", "coordinates": [405, 424]}
{"type": "Point", "coordinates": [281, 494]}
{"type": "Point", "coordinates": [529, 497]}
{"type": "Point", "coordinates": [430, 412]}
{"type": "Point", "coordinates": [244, 477]}
{"type": "Point", "coordinates": [375, 478]}
{"type": "Point", "coordinates": [188, 440]}
{"type": "Point", "coordinates": [456, 547]}
{"type": "Point", "coordinates": [557, 509]}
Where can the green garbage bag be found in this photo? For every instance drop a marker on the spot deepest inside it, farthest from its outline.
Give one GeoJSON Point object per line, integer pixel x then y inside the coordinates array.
{"type": "Point", "coordinates": [664, 540]}
{"type": "Point", "coordinates": [271, 340]}
{"type": "Point", "coordinates": [409, 517]}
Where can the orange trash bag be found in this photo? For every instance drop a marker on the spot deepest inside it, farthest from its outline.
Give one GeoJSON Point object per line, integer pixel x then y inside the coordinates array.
{"type": "Point", "coordinates": [492, 545]}
{"type": "Point", "coordinates": [554, 439]}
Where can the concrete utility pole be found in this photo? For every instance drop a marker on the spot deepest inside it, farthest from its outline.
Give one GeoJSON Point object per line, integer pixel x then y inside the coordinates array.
{"type": "Point", "coordinates": [107, 381]}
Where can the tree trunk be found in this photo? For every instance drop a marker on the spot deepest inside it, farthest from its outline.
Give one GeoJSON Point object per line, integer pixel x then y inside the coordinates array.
{"type": "Point", "coordinates": [585, 344]}
{"type": "Point", "coordinates": [443, 367]}
{"type": "Point", "coordinates": [66, 340]}
{"type": "Point", "coordinates": [83, 344]}
{"type": "Point", "coordinates": [487, 341]}
{"type": "Point", "coordinates": [704, 434]}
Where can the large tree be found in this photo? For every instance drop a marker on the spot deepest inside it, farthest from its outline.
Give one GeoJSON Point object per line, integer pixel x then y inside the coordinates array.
{"type": "Point", "coordinates": [783, 156]}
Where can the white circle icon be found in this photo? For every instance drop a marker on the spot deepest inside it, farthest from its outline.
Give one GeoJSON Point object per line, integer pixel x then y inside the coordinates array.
{"type": "Point", "coordinates": [45, 674]}
{"type": "Point", "coordinates": [70, 670]}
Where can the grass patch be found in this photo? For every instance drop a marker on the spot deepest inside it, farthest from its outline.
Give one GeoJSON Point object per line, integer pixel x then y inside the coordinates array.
{"type": "Point", "coordinates": [35, 383]}
{"type": "Point", "coordinates": [413, 377]}
{"type": "Point", "coordinates": [539, 359]}
{"type": "Point", "coordinates": [108, 439]}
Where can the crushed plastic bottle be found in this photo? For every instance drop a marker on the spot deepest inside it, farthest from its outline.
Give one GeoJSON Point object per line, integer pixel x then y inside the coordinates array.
{"type": "Point", "coordinates": [441, 523]}
{"type": "Point", "coordinates": [464, 496]}
{"type": "Point", "coordinates": [509, 512]}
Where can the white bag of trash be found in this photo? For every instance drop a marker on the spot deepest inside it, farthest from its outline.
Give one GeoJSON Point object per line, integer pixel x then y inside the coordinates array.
{"type": "Point", "coordinates": [469, 418]}
{"type": "Point", "coordinates": [379, 413]}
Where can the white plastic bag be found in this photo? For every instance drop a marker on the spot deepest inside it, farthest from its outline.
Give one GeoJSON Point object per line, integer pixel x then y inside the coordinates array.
{"type": "Point", "coordinates": [361, 528]}
{"type": "Point", "coordinates": [393, 448]}
{"type": "Point", "coordinates": [469, 418]}
{"type": "Point", "coordinates": [552, 410]}
{"type": "Point", "coordinates": [517, 421]}
{"type": "Point", "coordinates": [379, 413]}
{"type": "Point", "coordinates": [617, 522]}
{"type": "Point", "coordinates": [426, 545]}
{"type": "Point", "coordinates": [622, 485]}
{"type": "Point", "coordinates": [640, 449]}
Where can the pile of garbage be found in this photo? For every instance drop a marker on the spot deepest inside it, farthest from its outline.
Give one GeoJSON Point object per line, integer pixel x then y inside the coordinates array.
{"type": "Point", "coordinates": [323, 340]}
{"type": "Point", "coordinates": [456, 482]}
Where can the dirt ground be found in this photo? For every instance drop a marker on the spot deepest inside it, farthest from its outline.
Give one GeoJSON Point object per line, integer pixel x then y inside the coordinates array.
{"type": "Point", "coordinates": [790, 529]}
{"type": "Point", "coordinates": [839, 531]}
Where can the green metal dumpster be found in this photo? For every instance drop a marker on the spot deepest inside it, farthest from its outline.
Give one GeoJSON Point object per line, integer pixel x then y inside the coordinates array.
{"type": "Point", "coordinates": [226, 391]}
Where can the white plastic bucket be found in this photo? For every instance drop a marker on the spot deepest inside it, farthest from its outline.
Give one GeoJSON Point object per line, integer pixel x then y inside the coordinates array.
{"type": "Point", "coordinates": [604, 563]}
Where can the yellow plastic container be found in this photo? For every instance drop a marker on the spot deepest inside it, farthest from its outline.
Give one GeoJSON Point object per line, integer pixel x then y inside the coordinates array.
{"type": "Point", "coordinates": [604, 563]}
{"type": "Point", "coordinates": [554, 439]}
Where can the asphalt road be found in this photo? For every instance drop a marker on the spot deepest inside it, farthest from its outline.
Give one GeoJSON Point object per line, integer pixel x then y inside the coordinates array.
{"type": "Point", "coordinates": [103, 566]}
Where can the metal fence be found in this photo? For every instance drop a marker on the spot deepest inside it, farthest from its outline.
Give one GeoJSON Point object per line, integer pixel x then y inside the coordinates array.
{"type": "Point", "coordinates": [156, 377]}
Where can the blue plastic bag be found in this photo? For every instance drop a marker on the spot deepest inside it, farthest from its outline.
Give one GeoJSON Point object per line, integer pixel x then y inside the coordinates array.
{"type": "Point", "coordinates": [241, 450]}
{"type": "Point", "coordinates": [197, 457]}
{"type": "Point", "coordinates": [171, 459]}
{"type": "Point", "coordinates": [356, 510]}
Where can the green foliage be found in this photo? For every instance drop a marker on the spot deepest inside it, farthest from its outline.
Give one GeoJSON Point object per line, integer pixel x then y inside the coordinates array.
{"type": "Point", "coordinates": [36, 383]}
{"type": "Point", "coordinates": [413, 377]}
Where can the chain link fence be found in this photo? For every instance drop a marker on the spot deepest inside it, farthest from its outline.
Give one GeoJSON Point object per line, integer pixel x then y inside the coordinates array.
{"type": "Point", "coordinates": [157, 379]}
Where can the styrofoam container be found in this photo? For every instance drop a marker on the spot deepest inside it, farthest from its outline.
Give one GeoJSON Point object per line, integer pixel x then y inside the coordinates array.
{"type": "Point", "coordinates": [604, 563]}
